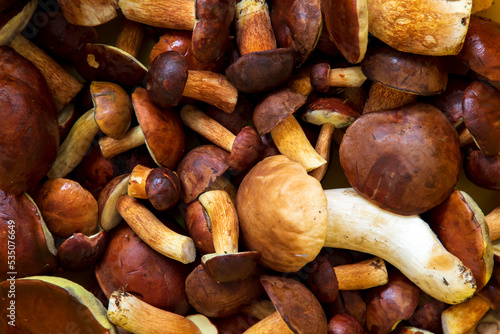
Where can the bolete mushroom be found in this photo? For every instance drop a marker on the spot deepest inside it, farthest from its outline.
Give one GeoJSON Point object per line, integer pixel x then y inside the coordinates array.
{"type": "Point", "coordinates": [89, 12]}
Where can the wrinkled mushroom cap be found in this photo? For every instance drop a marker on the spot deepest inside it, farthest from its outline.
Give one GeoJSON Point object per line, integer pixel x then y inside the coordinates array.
{"type": "Point", "coordinates": [291, 231]}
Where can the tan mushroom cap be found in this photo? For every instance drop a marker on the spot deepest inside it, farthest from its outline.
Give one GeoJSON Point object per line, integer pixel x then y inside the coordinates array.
{"type": "Point", "coordinates": [283, 213]}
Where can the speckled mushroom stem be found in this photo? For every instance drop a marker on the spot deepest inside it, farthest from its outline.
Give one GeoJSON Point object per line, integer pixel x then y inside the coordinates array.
{"type": "Point", "coordinates": [346, 77]}
{"type": "Point", "coordinates": [252, 23]}
{"type": "Point", "coordinates": [381, 97]}
{"type": "Point", "coordinates": [362, 275]}
{"type": "Point", "coordinates": [464, 317]}
{"type": "Point", "coordinates": [130, 37]}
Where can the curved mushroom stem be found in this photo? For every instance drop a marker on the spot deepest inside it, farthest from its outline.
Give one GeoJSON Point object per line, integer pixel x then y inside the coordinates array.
{"type": "Point", "coordinates": [493, 221]}
{"type": "Point", "coordinates": [112, 147]}
{"type": "Point", "coordinates": [292, 142]}
{"type": "Point", "coordinates": [323, 145]}
{"type": "Point", "coordinates": [463, 317]}
{"type": "Point", "coordinates": [406, 242]}
{"type": "Point", "coordinates": [271, 324]}
{"type": "Point", "coordinates": [176, 14]}
{"type": "Point", "coordinates": [75, 146]}
{"type": "Point", "coordinates": [130, 37]}
{"type": "Point", "coordinates": [134, 315]}
{"type": "Point", "coordinates": [153, 232]}
{"type": "Point", "coordinates": [362, 275]}
{"type": "Point", "coordinates": [346, 77]}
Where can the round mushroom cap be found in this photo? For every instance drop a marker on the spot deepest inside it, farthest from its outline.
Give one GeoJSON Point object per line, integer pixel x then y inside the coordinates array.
{"type": "Point", "coordinates": [283, 214]}
{"type": "Point", "coordinates": [404, 160]}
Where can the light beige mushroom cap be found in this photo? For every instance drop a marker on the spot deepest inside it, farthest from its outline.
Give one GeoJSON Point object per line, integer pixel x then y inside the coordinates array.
{"type": "Point", "coordinates": [283, 214]}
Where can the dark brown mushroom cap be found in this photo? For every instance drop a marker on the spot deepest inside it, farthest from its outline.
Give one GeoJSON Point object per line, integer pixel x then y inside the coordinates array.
{"type": "Point", "coordinates": [481, 49]}
{"type": "Point", "coordinates": [162, 130]}
{"type": "Point", "coordinates": [297, 24]}
{"type": "Point", "coordinates": [412, 73]}
{"type": "Point", "coordinates": [483, 170]}
{"type": "Point", "coordinates": [199, 168]}
{"type": "Point", "coordinates": [246, 149]}
{"type": "Point", "coordinates": [80, 252]}
{"type": "Point", "coordinates": [481, 113]}
{"type": "Point", "coordinates": [211, 31]}
{"type": "Point", "coordinates": [199, 227]}
{"type": "Point", "coordinates": [230, 267]}
{"type": "Point", "coordinates": [274, 108]}
{"type": "Point", "coordinates": [405, 160]}
{"type": "Point", "coordinates": [14, 16]}
{"type": "Point", "coordinates": [166, 78]}
{"type": "Point", "coordinates": [450, 101]}
{"type": "Point", "coordinates": [99, 62]}
{"type": "Point", "coordinates": [347, 25]}
{"type": "Point", "coordinates": [53, 305]}
{"type": "Point", "coordinates": [338, 112]}
{"type": "Point", "coordinates": [296, 304]}
{"type": "Point", "coordinates": [257, 72]}
{"type": "Point", "coordinates": [460, 226]}
{"type": "Point", "coordinates": [163, 188]}
{"type": "Point", "coordinates": [319, 77]}
{"type": "Point", "coordinates": [29, 136]}
{"type": "Point", "coordinates": [35, 251]}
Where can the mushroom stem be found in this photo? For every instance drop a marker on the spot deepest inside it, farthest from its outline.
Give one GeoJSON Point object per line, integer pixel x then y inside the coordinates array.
{"type": "Point", "coordinates": [134, 315]}
{"type": "Point", "coordinates": [259, 308]}
{"type": "Point", "coordinates": [63, 86]}
{"type": "Point", "coordinates": [323, 145]}
{"type": "Point", "coordinates": [406, 242]}
{"type": "Point", "coordinates": [130, 37]}
{"type": "Point", "coordinates": [75, 146]}
{"type": "Point", "coordinates": [172, 14]}
{"type": "Point", "coordinates": [273, 323]}
{"type": "Point", "coordinates": [493, 221]}
{"type": "Point", "coordinates": [464, 316]}
{"type": "Point", "coordinates": [206, 126]}
{"type": "Point", "coordinates": [292, 142]}
{"type": "Point", "coordinates": [362, 275]}
{"type": "Point", "coordinates": [222, 183]}
{"type": "Point", "coordinates": [112, 147]}
{"type": "Point", "coordinates": [212, 88]}
{"type": "Point", "coordinates": [153, 232]}
{"type": "Point", "coordinates": [383, 97]}
{"type": "Point", "coordinates": [224, 220]}
{"type": "Point", "coordinates": [254, 31]}
{"type": "Point", "coordinates": [137, 182]}
{"type": "Point", "coordinates": [346, 77]}
{"type": "Point", "coordinates": [301, 81]}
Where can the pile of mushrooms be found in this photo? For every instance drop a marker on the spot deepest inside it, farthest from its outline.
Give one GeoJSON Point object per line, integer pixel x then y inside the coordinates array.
{"type": "Point", "coordinates": [249, 166]}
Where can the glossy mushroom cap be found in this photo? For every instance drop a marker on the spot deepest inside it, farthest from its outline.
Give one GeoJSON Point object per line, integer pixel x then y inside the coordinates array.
{"type": "Point", "coordinates": [404, 160]}
{"type": "Point", "coordinates": [29, 136]}
{"type": "Point", "coordinates": [291, 232]}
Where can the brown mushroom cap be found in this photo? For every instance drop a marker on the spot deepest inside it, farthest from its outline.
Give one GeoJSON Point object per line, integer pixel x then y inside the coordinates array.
{"type": "Point", "coordinates": [162, 130]}
{"type": "Point", "coordinates": [450, 101]}
{"type": "Point", "coordinates": [480, 49]}
{"type": "Point", "coordinates": [481, 113]}
{"type": "Point", "coordinates": [29, 136]}
{"type": "Point", "coordinates": [483, 170]}
{"type": "Point", "coordinates": [330, 110]}
{"type": "Point", "coordinates": [274, 108]}
{"type": "Point", "coordinates": [52, 305]}
{"type": "Point", "coordinates": [163, 188]}
{"type": "Point", "coordinates": [257, 72]}
{"type": "Point", "coordinates": [297, 24]}
{"type": "Point", "coordinates": [14, 16]}
{"type": "Point", "coordinates": [211, 31]}
{"type": "Point", "coordinates": [405, 160]}
{"type": "Point", "coordinates": [290, 232]}
{"type": "Point", "coordinates": [296, 304]}
{"type": "Point", "coordinates": [80, 252]}
{"type": "Point", "coordinates": [417, 74]}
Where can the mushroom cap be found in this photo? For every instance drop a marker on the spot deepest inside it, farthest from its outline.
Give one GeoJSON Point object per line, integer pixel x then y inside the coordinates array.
{"type": "Point", "coordinates": [230, 267]}
{"type": "Point", "coordinates": [481, 48]}
{"type": "Point", "coordinates": [51, 304]}
{"type": "Point", "coordinates": [163, 188]}
{"type": "Point", "coordinates": [246, 149]}
{"type": "Point", "coordinates": [80, 252]}
{"type": "Point", "coordinates": [296, 304]}
{"type": "Point", "coordinates": [450, 101]}
{"type": "Point", "coordinates": [297, 24]}
{"type": "Point", "coordinates": [29, 136]}
{"type": "Point", "coordinates": [404, 160]}
{"type": "Point", "coordinates": [113, 108]}
{"type": "Point", "coordinates": [330, 110]}
{"type": "Point", "coordinates": [274, 108]}
{"type": "Point", "coordinates": [211, 31]}
{"type": "Point", "coordinates": [14, 16]}
{"type": "Point", "coordinates": [167, 78]}
{"type": "Point", "coordinates": [290, 232]}
{"type": "Point", "coordinates": [257, 72]}
{"type": "Point", "coordinates": [483, 170]}
{"type": "Point", "coordinates": [412, 73]}
{"type": "Point", "coordinates": [108, 197]}
{"type": "Point", "coordinates": [347, 25]}
{"type": "Point", "coordinates": [162, 130]}
{"type": "Point", "coordinates": [481, 113]}
{"type": "Point", "coordinates": [320, 74]}
{"type": "Point", "coordinates": [427, 27]}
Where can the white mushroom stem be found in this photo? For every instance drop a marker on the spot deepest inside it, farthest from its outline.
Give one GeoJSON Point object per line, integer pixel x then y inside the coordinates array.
{"type": "Point", "coordinates": [346, 77]}
{"type": "Point", "coordinates": [136, 316]}
{"type": "Point", "coordinates": [153, 232]}
{"type": "Point", "coordinates": [292, 142]}
{"type": "Point", "coordinates": [460, 318]}
{"type": "Point", "coordinates": [362, 275]}
{"type": "Point", "coordinates": [272, 324]}
{"type": "Point", "coordinates": [207, 127]}
{"type": "Point", "coordinates": [112, 147]}
{"type": "Point", "coordinates": [406, 242]}
{"type": "Point", "coordinates": [75, 146]}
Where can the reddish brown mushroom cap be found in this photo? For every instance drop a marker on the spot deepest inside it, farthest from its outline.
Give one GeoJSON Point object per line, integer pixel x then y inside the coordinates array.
{"type": "Point", "coordinates": [29, 137]}
{"type": "Point", "coordinates": [80, 252]}
{"type": "Point", "coordinates": [481, 113]}
{"type": "Point", "coordinates": [230, 267]}
{"type": "Point", "coordinates": [483, 170]}
{"type": "Point", "coordinates": [330, 110]}
{"type": "Point", "coordinates": [163, 188]}
{"type": "Point", "coordinates": [211, 31]}
{"type": "Point", "coordinates": [404, 160]}
{"type": "Point", "coordinates": [296, 304]}
{"type": "Point", "coordinates": [162, 130]}
{"type": "Point", "coordinates": [246, 149]}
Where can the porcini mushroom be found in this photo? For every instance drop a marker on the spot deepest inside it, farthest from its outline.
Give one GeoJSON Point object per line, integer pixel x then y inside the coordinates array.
{"type": "Point", "coordinates": [89, 12]}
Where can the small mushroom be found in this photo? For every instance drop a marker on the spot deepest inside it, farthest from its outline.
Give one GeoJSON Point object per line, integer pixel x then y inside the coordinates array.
{"type": "Point", "coordinates": [108, 216]}
{"type": "Point", "coordinates": [344, 324]}
{"type": "Point", "coordinates": [80, 252]}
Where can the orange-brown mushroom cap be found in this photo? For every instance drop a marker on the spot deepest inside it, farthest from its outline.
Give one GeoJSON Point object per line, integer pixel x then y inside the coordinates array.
{"type": "Point", "coordinates": [283, 213]}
